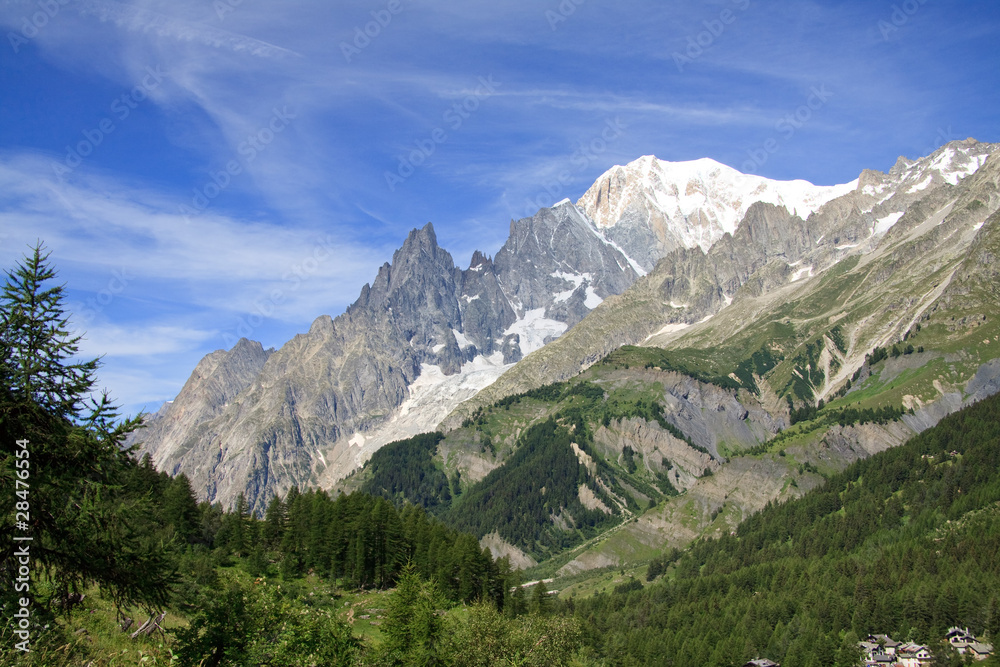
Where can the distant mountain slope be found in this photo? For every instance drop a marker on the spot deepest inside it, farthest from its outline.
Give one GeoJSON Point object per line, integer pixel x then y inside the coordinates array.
{"type": "Point", "coordinates": [901, 544]}
{"type": "Point", "coordinates": [903, 319]}
{"type": "Point", "coordinates": [426, 337]}
{"type": "Point", "coordinates": [215, 382]}
{"type": "Point", "coordinates": [566, 462]}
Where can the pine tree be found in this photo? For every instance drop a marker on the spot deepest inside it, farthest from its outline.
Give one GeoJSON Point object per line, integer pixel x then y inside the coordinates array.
{"type": "Point", "coordinates": [274, 522]}
{"type": "Point", "coordinates": [540, 598]}
{"type": "Point", "coordinates": [412, 628]}
{"type": "Point", "coordinates": [85, 525]}
{"type": "Point", "coordinates": [993, 621]}
{"type": "Point", "coordinates": [386, 542]}
{"type": "Point", "coordinates": [210, 522]}
{"type": "Point", "coordinates": [236, 523]}
{"type": "Point", "coordinates": [180, 508]}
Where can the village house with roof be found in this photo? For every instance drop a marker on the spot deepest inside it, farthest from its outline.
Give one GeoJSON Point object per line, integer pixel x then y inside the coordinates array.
{"type": "Point", "coordinates": [964, 642]}
{"type": "Point", "coordinates": [761, 662]}
{"type": "Point", "coordinates": [883, 651]}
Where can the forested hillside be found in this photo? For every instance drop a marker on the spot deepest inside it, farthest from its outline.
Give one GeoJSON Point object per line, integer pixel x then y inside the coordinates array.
{"type": "Point", "coordinates": [904, 543]}
{"type": "Point", "coordinates": [540, 481]}
{"type": "Point", "coordinates": [554, 485]}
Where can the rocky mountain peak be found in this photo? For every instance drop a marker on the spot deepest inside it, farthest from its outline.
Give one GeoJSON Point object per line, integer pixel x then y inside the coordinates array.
{"type": "Point", "coordinates": [322, 325]}
{"type": "Point", "coordinates": [418, 264]}
{"type": "Point", "coordinates": [425, 335]}
{"type": "Point", "coordinates": [870, 177]}
{"type": "Point", "coordinates": [480, 260]}
{"type": "Point", "coordinates": [558, 264]}
{"type": "Point", "coordinates": [949, 164]}
{"type": "Point", "coordinates": [216, 381]}
{"type": "Point", "coordinates": [421, 240]}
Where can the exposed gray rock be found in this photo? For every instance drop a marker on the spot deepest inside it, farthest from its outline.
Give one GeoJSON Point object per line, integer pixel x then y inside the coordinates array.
{"type": "Point", "coordinates": [985, 383]}
{"type": "Point", "coordinates": [556, 260]}
{"type": "Point", "coordinates": [893, 221]}
{"type": "Point", "coordinates": [214, 383]}
{"type": "Point", "coordinates": [500, 548]}
{"type": "Point", "coordinates": [262, 422]}
{"type": "Point", "coordinates": [344, 375]}
{"type": "Point", "coordinates": [658, 449]}
{"type": "Point", "coordinates": [712, 416]}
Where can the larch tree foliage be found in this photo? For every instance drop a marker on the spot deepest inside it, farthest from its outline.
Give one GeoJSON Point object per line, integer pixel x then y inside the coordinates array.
{"type": "Point", "coordinates": [180, 508]}
{"type": "Point", "coordinates": [413, 630]}
{"type": "Point", "coordinates": [85, 527]}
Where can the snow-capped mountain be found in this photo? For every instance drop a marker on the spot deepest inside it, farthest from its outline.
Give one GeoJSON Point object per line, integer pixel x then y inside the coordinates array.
{"type": "Point", "coordinates": [426, 336]}
{"type": "Point", "coordinates": [771, 251]}
{"type": "Point", "coordinates": [651, 207]}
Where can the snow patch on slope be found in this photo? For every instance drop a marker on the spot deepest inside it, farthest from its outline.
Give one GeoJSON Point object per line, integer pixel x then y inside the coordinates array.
{"type": "Point", "coordinates": [535, 330]}
{"type": "Point", "coordinates": [592, 301]}
{"type": "Point", "coordinates": [882, 225]}
{"type": "Point", "coordinates": [922, 185]}
{"type": "Point", "coordinates": [668, 328]}
{"type": "Point", "coordinates": [804, 272]}
{"type": "Point", "coordinates": [433, 395]}
{"type": "Point", "coordinates": [573, 279]}
{"type": "Point", "coordinates": [462, 340]}
{"type": "Point", "coordinates": [950, 165]}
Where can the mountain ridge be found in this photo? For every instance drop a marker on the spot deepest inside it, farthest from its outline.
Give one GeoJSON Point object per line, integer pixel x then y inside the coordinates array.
{"type": "Point", "coordinates": [662, 305]}
{"type": "Point", "coordinates": [324, 401]}
{"type": "Point", "coordinates": [426, 336]}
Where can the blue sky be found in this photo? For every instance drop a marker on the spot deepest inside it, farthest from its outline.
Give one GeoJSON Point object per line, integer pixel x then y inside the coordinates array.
{"type": "Point", "coordinates": [206, 170]}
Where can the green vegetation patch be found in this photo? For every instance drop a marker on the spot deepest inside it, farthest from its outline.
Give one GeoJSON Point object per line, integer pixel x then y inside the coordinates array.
{"type": "Point", "coordinates": [902, 543]}
{"type": "Point", "coordinates": [405, 471]}
{"type": "Point", "coordinates": [538, 482]}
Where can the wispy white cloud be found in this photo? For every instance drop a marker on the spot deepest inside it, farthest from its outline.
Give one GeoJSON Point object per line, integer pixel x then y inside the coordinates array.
{"type": "Point", "coordinates": [95, 225]}
{"type": "Point", "coordinates": [140, 341]}
{"type": "Point", "coordinates": [137, 19]}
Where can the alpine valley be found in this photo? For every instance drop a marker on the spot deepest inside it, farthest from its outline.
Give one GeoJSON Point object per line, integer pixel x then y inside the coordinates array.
{"type": "Point", "coordinates": [654, 363]}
